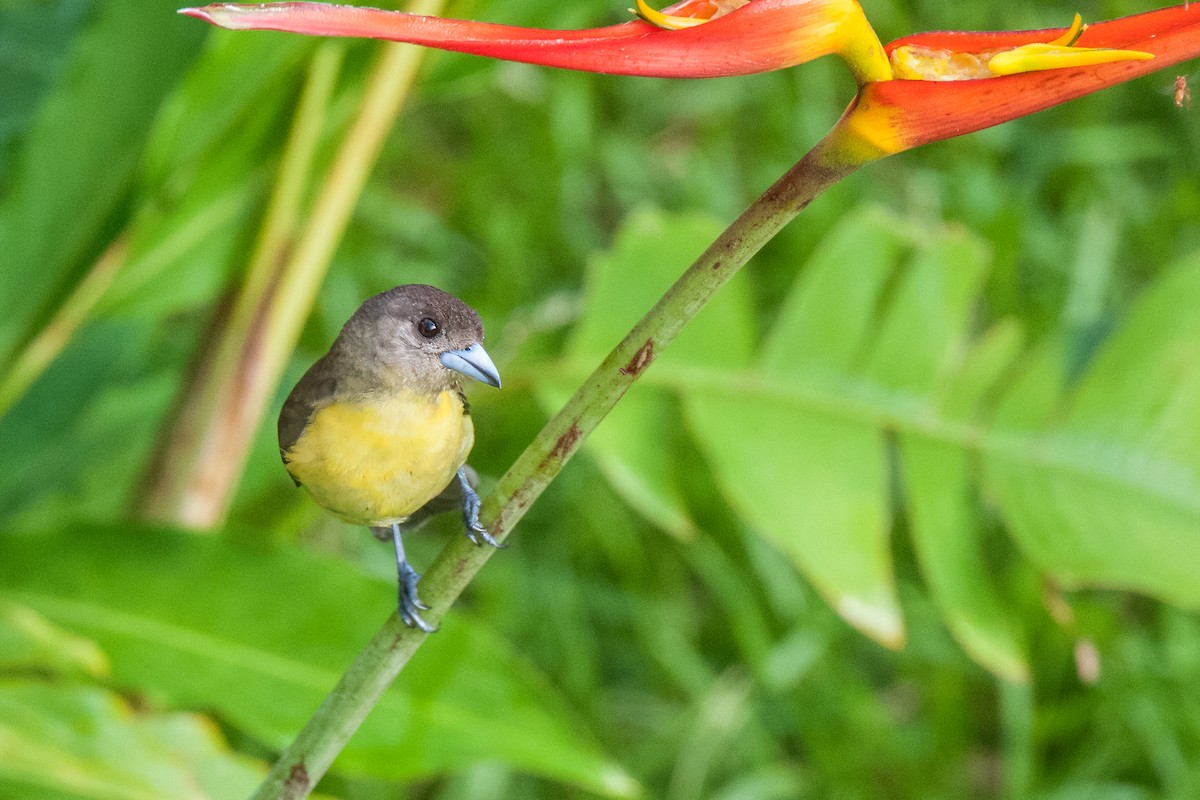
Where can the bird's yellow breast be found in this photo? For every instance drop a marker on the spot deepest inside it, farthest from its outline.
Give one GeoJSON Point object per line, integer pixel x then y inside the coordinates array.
{"type": "Point", "coordinates": [375, 462]}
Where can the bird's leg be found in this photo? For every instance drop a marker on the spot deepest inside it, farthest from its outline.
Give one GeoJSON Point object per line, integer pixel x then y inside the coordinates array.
{"type": "Point", "coordinates": [407, 577]}
{"type": "Point", "coordinates": [470, 508]}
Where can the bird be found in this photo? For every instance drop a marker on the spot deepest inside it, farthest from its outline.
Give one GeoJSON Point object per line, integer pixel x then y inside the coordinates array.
{"type": "Point", "coordinates": [378, 429]}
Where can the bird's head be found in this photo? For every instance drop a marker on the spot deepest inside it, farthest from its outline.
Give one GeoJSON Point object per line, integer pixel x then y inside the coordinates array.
{"type": "Point", "coordinates": [420, 337]}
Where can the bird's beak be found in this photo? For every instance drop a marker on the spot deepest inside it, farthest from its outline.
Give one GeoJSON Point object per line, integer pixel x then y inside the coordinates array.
{"type": "Point", "coordinates": [474, 362]}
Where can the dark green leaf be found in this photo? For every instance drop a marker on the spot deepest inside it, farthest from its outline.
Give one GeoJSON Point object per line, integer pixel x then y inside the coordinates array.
{"type": "Point", "coordinates": [79, 743]}
{"type": "Point", "coordinates": [260, 637]}
{"type": "Point", "coordinates": [31, 643]}
{"type": "Point", "coordinates": [636, 447]}
{"type": "Point", "coordinates": [80, 154]}
{"type": "Point", "coordinates": [1104, 488]}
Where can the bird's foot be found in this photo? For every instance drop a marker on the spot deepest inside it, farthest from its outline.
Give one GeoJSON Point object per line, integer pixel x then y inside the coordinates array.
{"type": "Point", "coordinates": [410, 604]}
{"type": "Point", "coordinates": [478, 534]}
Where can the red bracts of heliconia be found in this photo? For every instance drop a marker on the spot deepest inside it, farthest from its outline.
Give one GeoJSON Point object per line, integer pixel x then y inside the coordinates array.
{"type": "Point", "coordinates": [916, 90]}
{"type": "Point", "coordinates": [901, 114]}
{"type": "Point", "coordinates": [761, 36]}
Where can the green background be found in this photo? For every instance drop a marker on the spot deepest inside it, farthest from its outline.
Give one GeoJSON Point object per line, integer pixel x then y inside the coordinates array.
{"type": "Point", "coordinates": [954, 405]}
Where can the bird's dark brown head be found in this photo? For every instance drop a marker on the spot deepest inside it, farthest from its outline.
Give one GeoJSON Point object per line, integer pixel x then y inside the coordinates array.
{"type": "Point", "coordinates": [418, 336]}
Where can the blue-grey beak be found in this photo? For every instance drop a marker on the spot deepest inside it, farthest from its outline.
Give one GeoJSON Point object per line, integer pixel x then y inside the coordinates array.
{"type": "Point", "coordinates": [474, 362]}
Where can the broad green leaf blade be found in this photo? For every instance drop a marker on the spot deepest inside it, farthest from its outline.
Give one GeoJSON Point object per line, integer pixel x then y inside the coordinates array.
{"type": "Point", "coordinates": [635, 449]}
{"type": "Point", "coordinates": [72, 742]}
{"type": "Point", "coordinates": [946, 535]}
{"type": "Point", "coordinates": [1035, 393]}
{"type": "Point", "coordinates": [817, 487]}
{"type": "Point", "coordinates": [651, 250]}
{"type": "Point", "coordinates": [811, 479]}
{"type": "Point", "coordinates": [826, 320]}
{"type": "Point", "coordinates": [34, 39]}
{"type": "Point", "coordinates": [636, 446]}
{"type": "Point", "coordinates": [924, 330]}
{"type": "Point", "coordinates": [233, 84]}
{"type": "Point", "coordinates": [30, 643]}
{"type": "Point", "coordinates": [1143, 388]}
{"type": "Point", "coordinates": [75, 446]}
{"type": "Point", "coordinates": [921, 343]}
{"type": "Point", "coordinates": [978, 379]}
{"type": "Point", "coordinates": [1107, 493]}
{"type": "Point", "coordinates": [260, 637]}
{"type": "Point", "coordinates": [943, 511]}
{"type": "Point", "coordinates": [210, 152]}
{"type": "Point", "coordinates": [79, 156]}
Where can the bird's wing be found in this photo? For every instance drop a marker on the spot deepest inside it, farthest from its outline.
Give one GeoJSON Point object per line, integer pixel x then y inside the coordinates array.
{"type": "Point", "coordinates": [314, 391]}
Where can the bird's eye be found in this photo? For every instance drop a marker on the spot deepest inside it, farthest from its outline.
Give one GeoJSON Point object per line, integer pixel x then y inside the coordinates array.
{"type": "Point", "coordinates": [428, 328]}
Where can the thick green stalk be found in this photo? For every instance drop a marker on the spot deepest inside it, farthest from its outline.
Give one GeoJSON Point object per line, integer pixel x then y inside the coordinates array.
{"type": "Point", "coordinates": [301, 766]}
{"type": "Point", "coordinates": [88, 297]}
{"type": "Point", "coordinates": [36, 356]}
{"type": "Point", "coordinates": [1016, 718]}
{"type": "Point", "coordinates": [231, 371]}
{"type": "Point", "coordinates": [205, 451]}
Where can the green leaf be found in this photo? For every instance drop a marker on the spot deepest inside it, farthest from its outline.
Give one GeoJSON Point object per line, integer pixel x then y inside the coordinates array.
{"type": "Point", "coordinates": [79, 156]}
{"type": "Point", "coordinates": [1099, 482]}
{"type": "Point", "coordinates": [260, 637]}
{"type": "Point", "coordinates": [636, 447]}
{"type": "Point", "coordinates": [233, 84]}
{"type": "Point", "coordinates": [205, 165]}
{"type": "Point", "coordinates": [916, 356]}
{"type": "Point", "coordinates": [945, 518]}
{"type": "Point", "coordinates": [30, 642]}
{"type": "Point", "coordinates": [836, 298]}
{"type": "Point", "coordinates": [815, 483]}
{"type": "Point", "coordinates": [945, 525]}
{"type": "Point", "coordinates": [76, 444]}
{"type": "Point", "coordinates": [816, 487]}
{"type": "Point", "coordinates": [87, 743]}
{"type": "Point", "coordinates": [1102, 487]}
{"type": "Point", "coordinates": [34, 38]}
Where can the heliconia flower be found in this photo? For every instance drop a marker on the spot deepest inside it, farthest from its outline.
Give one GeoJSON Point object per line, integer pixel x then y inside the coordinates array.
{"type": "Point", "coordinates": [911, 61]}
{"type": "Point", "coordinates": [757, 36]}
{"type": "Point", "coordinates": [901, 114]}
{"type": "Point", "coordinates": [916, 90]}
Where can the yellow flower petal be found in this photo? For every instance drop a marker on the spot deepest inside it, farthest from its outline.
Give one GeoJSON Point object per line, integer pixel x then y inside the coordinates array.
{"type": "Point", "coordinates": [666, 21]}
{"type": "Point", "coordinates": [1073, 33]}
{"type": "Point", "coordinates": [1033, 57]}
{"type": "Point", "coordinates": [917, 63]}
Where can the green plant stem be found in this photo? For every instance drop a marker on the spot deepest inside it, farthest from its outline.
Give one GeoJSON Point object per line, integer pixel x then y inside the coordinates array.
{"type": "Point", "coordinates": [35, 357]}
{"type": "Point", "coordinates": [205, 451]}
{"type": "Point", "coordinates": [301, 766]}
{"type": "Point", "coordinates": [1016, 718]}
{"type": "Point", "coordinates": [231, 370]}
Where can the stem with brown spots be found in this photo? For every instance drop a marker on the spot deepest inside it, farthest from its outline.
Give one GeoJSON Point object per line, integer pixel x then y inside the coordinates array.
{"type": "Point", "coordinates": [309, 756]}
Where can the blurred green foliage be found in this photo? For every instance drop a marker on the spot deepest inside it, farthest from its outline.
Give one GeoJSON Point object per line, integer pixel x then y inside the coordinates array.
{"type": "Point", "coordinates": [961, 381]}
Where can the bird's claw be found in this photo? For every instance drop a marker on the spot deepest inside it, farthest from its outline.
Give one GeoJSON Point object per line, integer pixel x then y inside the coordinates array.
{"type": "Point", "coordinates": [478, 534]}
{"type": "Point", "coordinates": [410, 604]}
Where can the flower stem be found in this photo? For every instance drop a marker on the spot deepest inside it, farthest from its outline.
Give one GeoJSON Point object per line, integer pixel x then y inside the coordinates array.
{"type": "Point", "coordinates": [35, 357]}
{"type": "Point", "coordinates": [200, 452]}
{"type": "Point", "coordinates": [204, 452]}
{"type": "Point", "coordinates": [301, 766]}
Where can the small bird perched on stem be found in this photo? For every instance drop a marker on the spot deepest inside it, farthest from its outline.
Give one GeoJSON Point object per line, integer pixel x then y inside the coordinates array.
{"type": "Point", "coordinates": [378, 430]}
